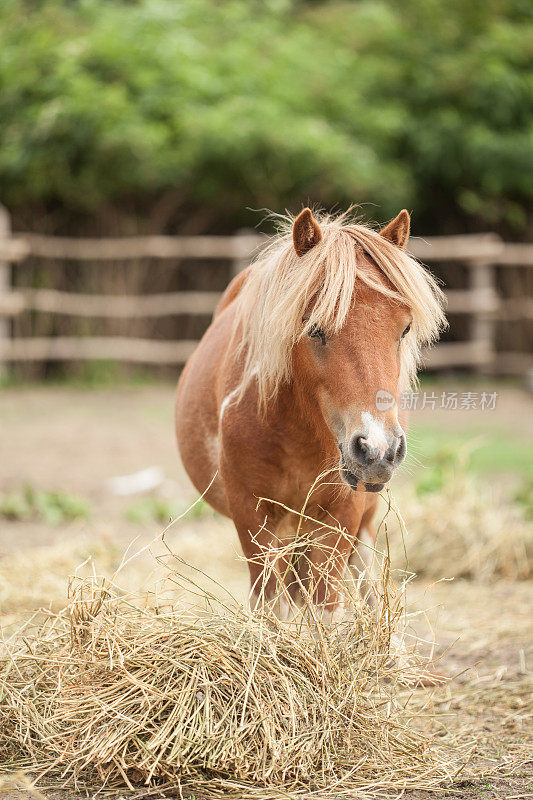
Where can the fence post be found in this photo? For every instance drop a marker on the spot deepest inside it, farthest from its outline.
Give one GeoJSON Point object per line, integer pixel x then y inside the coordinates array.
{"type": "Point", "coordinates": [5, 283]}
{"type": "Point", "coordinates": [483, 324]}
{"type": "Point", "coordinates": [245, 243]}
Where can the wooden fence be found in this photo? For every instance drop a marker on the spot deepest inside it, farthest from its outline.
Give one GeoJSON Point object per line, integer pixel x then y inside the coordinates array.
{"type": "Point", "coordinates": [480, 253]}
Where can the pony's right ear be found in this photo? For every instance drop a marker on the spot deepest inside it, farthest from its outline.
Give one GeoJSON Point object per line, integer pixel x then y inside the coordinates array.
{"type": "Point", "coordinates": [397, 230]}
{"type": "Point", "coordinates": [305, 232]}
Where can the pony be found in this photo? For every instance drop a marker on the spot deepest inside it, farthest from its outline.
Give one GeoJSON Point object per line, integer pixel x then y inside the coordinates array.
{"type": "Point", "coordinates": [299, 378]}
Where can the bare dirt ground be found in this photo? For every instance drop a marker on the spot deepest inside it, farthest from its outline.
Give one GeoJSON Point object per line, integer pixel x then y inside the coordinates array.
{"type": "Point", "coordinates": [75, 440]}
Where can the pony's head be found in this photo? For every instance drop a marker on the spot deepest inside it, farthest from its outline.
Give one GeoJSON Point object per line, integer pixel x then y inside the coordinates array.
{"type": "Point", "coordinates": [341, 311]}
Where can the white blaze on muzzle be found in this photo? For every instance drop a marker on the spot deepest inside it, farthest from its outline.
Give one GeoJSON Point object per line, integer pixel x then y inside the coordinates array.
{"type": "Point", "coordinates": [374, 435]}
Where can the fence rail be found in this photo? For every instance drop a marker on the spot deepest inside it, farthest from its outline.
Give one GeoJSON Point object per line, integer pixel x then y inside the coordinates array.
{"type": "Point", "coordinates": [480, 253]}
{"type": "Point", "coordinates": [100, 305]}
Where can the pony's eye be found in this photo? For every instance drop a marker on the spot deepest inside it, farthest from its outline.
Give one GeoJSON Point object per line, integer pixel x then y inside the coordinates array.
{"type": "Point", "coordinates": [406, 331]}
{"type": "Point", "coordinates": [317, 333]}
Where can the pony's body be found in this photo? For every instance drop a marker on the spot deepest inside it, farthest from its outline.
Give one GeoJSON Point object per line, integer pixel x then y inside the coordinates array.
{"type": "Point", "coordinates": [261, 419]}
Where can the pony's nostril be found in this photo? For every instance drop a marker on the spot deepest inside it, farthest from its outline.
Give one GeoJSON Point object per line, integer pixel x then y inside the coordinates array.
{"type": "Point", "coordinates": [360, 448]}
{"type": "Point", "coordinates": [401, 449]}
{"type": "Point", "coordinates": [361, 445]}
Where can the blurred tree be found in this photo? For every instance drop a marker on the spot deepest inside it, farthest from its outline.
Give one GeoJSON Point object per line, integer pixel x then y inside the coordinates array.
{"type": "Point", "coordinates": [185, 113]}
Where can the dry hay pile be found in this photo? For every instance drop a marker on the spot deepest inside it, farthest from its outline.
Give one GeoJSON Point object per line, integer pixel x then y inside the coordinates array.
{"type": "Point", "coordinates": [462, 531]}
{"type": "Point", "coordinates": [120, 691]}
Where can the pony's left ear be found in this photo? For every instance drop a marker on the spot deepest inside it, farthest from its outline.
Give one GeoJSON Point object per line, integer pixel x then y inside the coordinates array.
{"type": "Point", "coordinates": [305, 232]}
{"type": "Point", "coordinates": [397, 230]}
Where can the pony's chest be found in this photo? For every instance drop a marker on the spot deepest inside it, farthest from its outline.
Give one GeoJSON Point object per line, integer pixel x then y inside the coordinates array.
{"type": "Point", "coordinates": [275, 460]}
{"type": "Point", "coordinates": [302, 469]}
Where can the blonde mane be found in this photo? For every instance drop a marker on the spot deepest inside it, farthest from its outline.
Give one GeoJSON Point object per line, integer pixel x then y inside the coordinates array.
{"type": "Point", "coordinates": [280, 286]}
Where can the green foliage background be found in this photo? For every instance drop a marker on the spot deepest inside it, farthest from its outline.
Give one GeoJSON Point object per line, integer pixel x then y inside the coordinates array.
{"type": "Point", "coordinates": [183, 113]}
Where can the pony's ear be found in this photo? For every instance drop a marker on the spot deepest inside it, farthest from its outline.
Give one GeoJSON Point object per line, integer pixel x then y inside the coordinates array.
{"type": "Point", "coordinates": [305, 232]}
{"type": "Point", "coordinates": [397, 230]}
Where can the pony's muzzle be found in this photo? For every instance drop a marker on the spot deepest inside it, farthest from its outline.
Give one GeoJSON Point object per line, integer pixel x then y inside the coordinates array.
{"type": "Point", "coordinates": [372, 461]}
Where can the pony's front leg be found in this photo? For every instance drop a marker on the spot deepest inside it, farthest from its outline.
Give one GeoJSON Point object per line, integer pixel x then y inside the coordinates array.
{"type": "Point", "coordinates": [329, 556]}
{"type": "Point", "coordinates": [364, 561]}
{"type": "Point", "coordinates": [325, 585]}
{"type": "Point", "coordinates": [273, 583]}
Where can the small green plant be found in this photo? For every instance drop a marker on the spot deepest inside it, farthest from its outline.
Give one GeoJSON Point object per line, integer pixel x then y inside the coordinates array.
{"type": "Point", "coordinates": [161, 510]}
{"type": "Point", "coordinates": [9, 378]}
{"type": "Point", "coordinates": [52, 508]}
{"type": "Point", "coordinates": [448, 463]}
{"type": "Point", "coordinates": [102, 373]}
{"type": "Point", "coordinates": [524, 498]}
{"type": "Point", "coordinates": [439, 471]}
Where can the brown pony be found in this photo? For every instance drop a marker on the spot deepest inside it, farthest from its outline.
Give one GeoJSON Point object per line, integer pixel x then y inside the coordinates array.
{"type": "Point", "coordinates": [297, 377]}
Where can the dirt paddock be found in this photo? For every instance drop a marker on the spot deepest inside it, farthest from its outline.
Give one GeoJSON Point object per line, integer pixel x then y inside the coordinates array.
{"type": "Point", "coordinates": [76, 440]}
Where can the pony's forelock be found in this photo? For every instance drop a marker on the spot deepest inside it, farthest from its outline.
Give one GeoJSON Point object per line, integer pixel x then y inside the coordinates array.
{"type": "Point", "coordinates": [285, 295]}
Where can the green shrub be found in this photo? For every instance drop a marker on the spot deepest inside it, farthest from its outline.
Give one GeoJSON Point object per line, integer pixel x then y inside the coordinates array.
{"type": "Point", "coordinates": [231, 104]}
